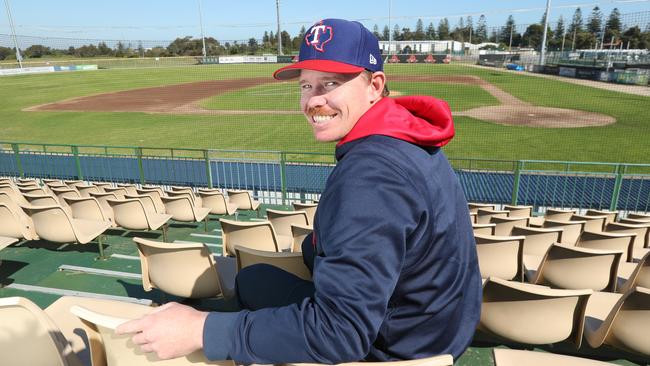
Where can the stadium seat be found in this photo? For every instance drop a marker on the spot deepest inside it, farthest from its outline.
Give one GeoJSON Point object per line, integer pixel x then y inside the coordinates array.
{"type": "Point", "coordinates": [634, 274]}
{"type": "Point", "coordinates": [500, 256]}
{"type": "Point", "coordinates": [571, 229]}
{"type": "Point", "coordinates": [183, 209]}
{"type": "Point", "coordinates": [66, 191]}
{"type": "Point", "coordinates": [298, 233]}
{"type": "Point", "coordinates": [156, 197]}
{"type": "Point", "coordinates": [474, 207]}
{"type": "Point", "coordinates": [14, 222]}
{"type": "Point", "coordinates": [14, 193]}
{"type": "Point", "coordinates": [519, 211]}
{"type": "Point", "coordinates": [592, 223]}
{"type": "Point", "coordinates": [484, 215]}
{"type": "Point", "coordinates": [290, 262]}
{"type": "Point", "coordinates": [638, 216]}
{"type": "Point", "coordinates": [108, 210]}
{"type": "Point", "coordinates": [283, 220]}
{"type": "Point", "coordinates": [29, 337]}
{"type": "Point", "coordinates": [609, 241]}
{"type": "Point", "coordinates": [179, 269]}
{"type": "Point", "coordinates": [620, 320]}
{"type": "Point", "coordinates": [87, 208]}
{"type": "Point", "coordinates": [256, 235]}
{"type": "Point", "coordinates": [309, 208]}
{"type": "Point", "coordinates": [574, 268]}
{"type": "Point", "coordinates": [131, 214]}
{"type": "Point", "coordinates": [150, 203]}
{"type": "Point", "coordinates": [512, 357]}
{"type": "Point", "coordinates": [217, 203]}
{"type": "Point", "coordinates": [54, 224]}
{"type": "Point", "coordinates": [642, 239]}
{"type": "Point", "coordinates": [120, 192]}
{"type": "Point", "coordinates": [628, 220]}
{"type": "Point", "coordinates": [504, 225]}
{"type": "Point", "coordinates": [484, 229]}
{"type": "Point", "coordinates": [130, 188]}
{"type": "Point", "coordinates": [196, 201]}
{"type": "Point", "coordinates": [552, 214]}
{"type": "Point", "coordinates": [532, 314]}
{"type": "Point", "coordinates": [538, 240]}
{"type": "Point", "coordinates": [32, 190]}
{"type": "Point", "coordinates": [612, 216]}
{"type": "Point", "coordinates": [243, 200]}
{"type": "Point", "coordinates": [85, 190]}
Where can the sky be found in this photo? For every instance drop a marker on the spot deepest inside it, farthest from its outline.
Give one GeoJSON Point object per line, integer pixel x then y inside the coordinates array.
{"type": "Point", "coordinates": [243, 19]}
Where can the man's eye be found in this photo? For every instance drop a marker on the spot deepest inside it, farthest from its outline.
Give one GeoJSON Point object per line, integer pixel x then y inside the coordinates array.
{"type": "Point", "coordinates": [305, 86]}
{"type": "Point", "coordinates": [331, 83]}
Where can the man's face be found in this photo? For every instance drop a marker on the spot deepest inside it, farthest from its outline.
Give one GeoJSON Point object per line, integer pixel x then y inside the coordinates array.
{"type": "Point", "coordinates": [333, 103]}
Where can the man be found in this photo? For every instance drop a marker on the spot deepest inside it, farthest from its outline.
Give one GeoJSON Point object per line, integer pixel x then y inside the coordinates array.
{"type": "Point", "coordinates": [395, 272]}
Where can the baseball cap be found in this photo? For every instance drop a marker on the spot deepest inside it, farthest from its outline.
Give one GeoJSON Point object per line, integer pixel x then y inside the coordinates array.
{"type": "Point", "coordinates": [335, 45]}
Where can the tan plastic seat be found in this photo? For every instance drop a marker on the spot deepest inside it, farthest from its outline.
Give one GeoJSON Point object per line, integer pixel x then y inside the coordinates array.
{"type": "Point", "coordinates": [131, 214]}
{"type": "Point", "coordinates": [298, 233]}
{"type": "Point", "coordinates": [532, 314]}
{"type": "Point", "coordinates": [538, 240]}
{"type": "Point", "coordinates": [182, 209]}
{"type": "Point", "coordinates": [483, 216]}
{"type": "Point", "coordinates": [519, 211]}
{"type": "Point", "coordinates": [569, 267]}
{"type": "Point", "coordinates": [84, 191]}
{"type": "Point", "coordinates": [484, 229]}
{"type": "Point", "coordinates": [504, 225]}
{"type": "Point", "coordinates": [110, 349]}
{"type": "Point", "coordinates": [243, 200]}
{"type": "Point", "coordinates": [87, 208]}
{"type": "Point", "coordinates": [62, 192]}
{"type": "Point", "coordinates": [54, 224]}
{"type": "Point", "coordinates": [34, 190]}
{"type": "Point", "coordinates": [15, 194]}
{"type": "Point", "coordinates": [474, 207]}
{"type": "Point", "coordinates": [55, 184]}
{"type": "Point", "coordinates": [257, 235]}
{"type": "Point", "coordinates": [628, 220]}
{"type": "Point", "coordinates": [500, 256]}
{"type": "Point", "coordinates": [612, 216]}
{"type": "Point", "coordinates": [102, 185]}
{"type": "Point", "coordinates": [309, 208]}
{"type": "Point", "coordinates": [73, 328]}
{"type": "Point", "coordinates": [159, 189]}
{"type": "Point", "coordinates": [512, 357]}
{"type": "Point", "coordinates": [14, 222]}
{"type": "Point", "coordinates": [155, 195]}
{"type": "Point", "coordinates": [29, 337]}
{"type": "Point", "coordinates": [149, 202]}
{"type": "Point", "coordinates": [282, 221]}
{"type": "Point", "coordinates": [185, 270]}
{"type": "Point", "coordinates": [638, 216]}
{"type": "Point", "coordinates": [108, 210]}
{"type": "Point", "coordinates": [290, 262]}
{"type": "Point", "coordinates": [559, 214]}
{"type": "Point", "coordinates": [441, 360]}
{"type": "Point", "coordinates": [631, 275]}
{"type": "Point", "coordinates": [74, 182]}
{"type": "Point", "coordinates": [592, 223]}
{"type": "Point", "coordinates": [472, 217]}
{"type": "Point", "coordinates": [642, 239]}
{"type": "Point", "coordinates": [620, 320]}
{"type": "Point", "coordinates": [572, 229]}
{"type": "Point", "coordinates": [120, 192]}
{"type": "Point", "coordinates": [609, 241]}
{"type": "Point", "coordinates": [130, 188]}
{"type": "Point", "coordinates": [217, 203]}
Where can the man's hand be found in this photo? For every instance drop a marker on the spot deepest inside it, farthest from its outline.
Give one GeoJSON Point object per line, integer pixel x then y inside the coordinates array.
{"type": "Point", "coordinates": [172, 330]}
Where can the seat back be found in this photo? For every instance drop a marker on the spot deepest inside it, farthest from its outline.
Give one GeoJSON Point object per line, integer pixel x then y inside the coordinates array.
{"type": "Point", "coordinates": [504, 225]}
{"type": "Point", "coordinates": [33, 190]}
{"type": "Point", "coordinates": [612, 216]}
{"type": "Point", "coordinates": [640, 276]}
{"type": "Point", "coordinates": [638, 216]}
{"type": "Point", "coordinates": [120, 192]}
{"type": "Point", "coordinates": [28, 336]}
{"type": "Point", "coordinates": [62, 192]}
{"type": "Point", "coordinates": [180, 208]}
{"type": "Point", "coordinates": [569, 267]}
{"type": "Point", "coordinates": [282, 220]}
{"type": "Point", "coordinates": [571, 229]}
{"type": "Point", "coordinates": [215, 201]}
{"type": "Point", "coordinates": [14, 193]}
{"type": "Point", "coordinates": [290, 262]}
{"type": "Point", "coordinates": [519, 211]}
{"type": "Point", "coordinates": [156, 199]}
{"type": "Point", "coordinates": [530, 314]}
{"type": "Point", "coordinates": [484, 215]}
{"type": "Point", "coordinates": [257, 235]}
{"type": "Point", "coordinates": [147, 201]}
{"type": "Point", "coordinates": [642, 232]}
{"type": "Point", "coordinates": [86, 208]}
{"type": "Point", "coordinates": [129, 214]}
{"type": "Point", "coordinates": [11, 225]}
{"type": "Point", "coordinates": [308, 208]}
{"type": "Point", "coordinates": [514, 357]}
{"type": "Point", "coordinates": [592, 223]}
{"type": "Point", "coordinates": [108, 210]}
{"type": "Point", "coordinates": [41, 199]}
{"type": "Point", "coordinates": [483, 229]}
{"type": "Point", "coordinates": [629, 322]}
{"type": "Point", "coordinates": [111, 349]}
{"type": "Point", "coordinates": [538, 240]}
{"type": "Point", "coordinates": [500, 256]}
{"type": "Point", "coordinates": [130, 188]}
{"type": "Point", "coordinates": [609, 241]}
{"type": "Point", "coordinates": [474, 207]}
{"type": "Point", "coordinates": [52, 223]}
{"type": "Point", "coordinates": [84, 191]}
{"type": "Point", "coordinates": [242, 199]}
{"type": "Point", "coordinates": [182, 193]}
{"type": "Point", "coordinates": [185, 270]}
{"type": "Point", "coordinates": [558, 214]}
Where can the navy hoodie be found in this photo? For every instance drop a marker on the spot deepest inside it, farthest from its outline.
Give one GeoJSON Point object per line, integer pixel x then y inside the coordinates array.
{"type": "Point", "coordinates": [395, 269]}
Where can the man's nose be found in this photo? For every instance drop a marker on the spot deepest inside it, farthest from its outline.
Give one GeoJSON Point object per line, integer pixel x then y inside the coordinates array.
{"type": "Point", "coordinates": [316, 101]}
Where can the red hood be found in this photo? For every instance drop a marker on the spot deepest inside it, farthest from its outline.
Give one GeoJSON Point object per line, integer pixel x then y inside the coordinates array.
{"type": "Point", "coordinates": [424, 121]}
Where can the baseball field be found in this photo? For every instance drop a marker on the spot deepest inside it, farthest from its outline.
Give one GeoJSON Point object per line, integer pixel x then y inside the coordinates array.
{"type": "Point", "coordinates": [498, 115]}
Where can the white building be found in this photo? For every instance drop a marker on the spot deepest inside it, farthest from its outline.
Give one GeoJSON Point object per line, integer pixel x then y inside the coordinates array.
{"type": "Point", "coordinates": [430, 46]}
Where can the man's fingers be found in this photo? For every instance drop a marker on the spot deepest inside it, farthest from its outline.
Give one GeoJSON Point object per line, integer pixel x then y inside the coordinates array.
{"type": "Point", "coordinates": [132, 326]}
{"type": "Point", "coordinates": [163, 307]}
{"type": "Point", "coordinates": [140, 338]}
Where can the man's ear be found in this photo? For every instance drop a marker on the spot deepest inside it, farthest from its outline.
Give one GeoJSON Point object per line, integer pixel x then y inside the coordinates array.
{"type": "Point", "coordinates": [377, 82]}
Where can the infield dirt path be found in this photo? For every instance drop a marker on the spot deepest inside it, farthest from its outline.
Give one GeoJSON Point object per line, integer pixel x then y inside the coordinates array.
{"type": "Point", "coordinates": [185, 98]}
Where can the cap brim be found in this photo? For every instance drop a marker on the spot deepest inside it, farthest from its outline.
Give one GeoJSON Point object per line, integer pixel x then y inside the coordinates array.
{"type": "Point", "coordinates": [293, 71]}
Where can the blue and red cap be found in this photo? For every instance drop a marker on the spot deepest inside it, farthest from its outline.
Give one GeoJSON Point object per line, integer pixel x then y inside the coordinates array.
{"type": "Point", "coordinates": [336, 45]}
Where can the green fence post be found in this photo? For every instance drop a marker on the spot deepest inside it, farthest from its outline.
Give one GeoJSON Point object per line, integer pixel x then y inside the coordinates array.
{"type": "Point", "coordinates": [515, 184]}
{"type": "Point", "coordinates": [138, 152]}
{"type": "Point", "coordinates": [617, 187]}
{"type": "Point", "coordinates": [16, 150]}
{"type": "Point", "coordinates": [283, 176]}
{"type": "Point", "coordinates": [75, 152]}
{"type": "Point", "coordinates": [208, 171]}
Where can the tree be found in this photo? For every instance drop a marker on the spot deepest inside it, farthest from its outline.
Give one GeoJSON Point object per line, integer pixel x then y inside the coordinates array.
{"type": "Point", "coordinates": [37, 51]}
{"type": "Point", "coordinates": [533, 35]}
{"type": "Point", "coordinates": [469, 28]}
{"type": "Point", "coordinates": [120, 50]}
{"type": "Point", "coordinates": [385, 33]}
{"type": "Point", "coordinates": [480, 35]}
{"type": "Point", "coordinates": [507, 31]}
{"type": "Point", "coordinates": [103, 49]}
{"type": "Point", "coordinates": [576, 22]}
{"type": "Point", "coordinates": [613, 25]}
{"type": "Point", "coordinates": [558, 34]}
{"type": "Point", "coordinates": [286, 42]}
{"type": "Point", "coordinates": [396, 33]}
{"type": "Point", "coordinates": [407, 35]}
{"type": "Point", "coordinates": [297, 41]}
{"type": "Point", "coordinates": [253, 46]}
{"type": "Point", "coordinates": [431, 32]}
{"type": "Point", "coordinates": [375, 31]}
{"type": "Point", "coordinates": [5, 52]}
{"type": "Point", "coordinates": [419, 34]}
{"type": "Point", "coordinates": [443, 30]}
{"type": "Point", "coordinates": [595, 23]}
{"type": "Point", "coordinates": [265, 38]}
{"type": "Point", "coordinates": [631, 37]}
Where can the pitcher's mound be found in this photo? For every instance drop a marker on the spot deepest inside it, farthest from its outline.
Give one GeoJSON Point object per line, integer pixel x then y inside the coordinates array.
{"type": "Point", "coordinates": [532, 116]}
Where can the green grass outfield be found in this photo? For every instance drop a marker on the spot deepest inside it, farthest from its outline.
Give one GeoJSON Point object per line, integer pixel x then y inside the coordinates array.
{"type": "Point", "coordinates": [625, 141]}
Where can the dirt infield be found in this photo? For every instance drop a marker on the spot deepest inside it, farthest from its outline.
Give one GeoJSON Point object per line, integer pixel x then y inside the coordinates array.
{"type": "Point", "coordinates": [185, 98]}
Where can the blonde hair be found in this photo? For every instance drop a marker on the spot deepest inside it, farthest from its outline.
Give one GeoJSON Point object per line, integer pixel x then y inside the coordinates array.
{"type": "Point", "coordinates": [368, 75]}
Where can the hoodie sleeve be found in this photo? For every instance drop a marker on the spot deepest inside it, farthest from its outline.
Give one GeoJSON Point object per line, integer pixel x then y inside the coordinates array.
{"type": "Point", "coordinates": [362, 225]}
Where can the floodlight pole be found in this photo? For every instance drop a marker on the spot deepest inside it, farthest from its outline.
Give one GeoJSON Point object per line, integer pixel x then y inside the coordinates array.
{"type": "Point", "coordinates": [277, 12]}
{"type": "Point", "coordinates": [202, 34]}
{"type": "Point", "coordinates": [542, 56]}
{"type": "Point", "coordinates": [19, 58]}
